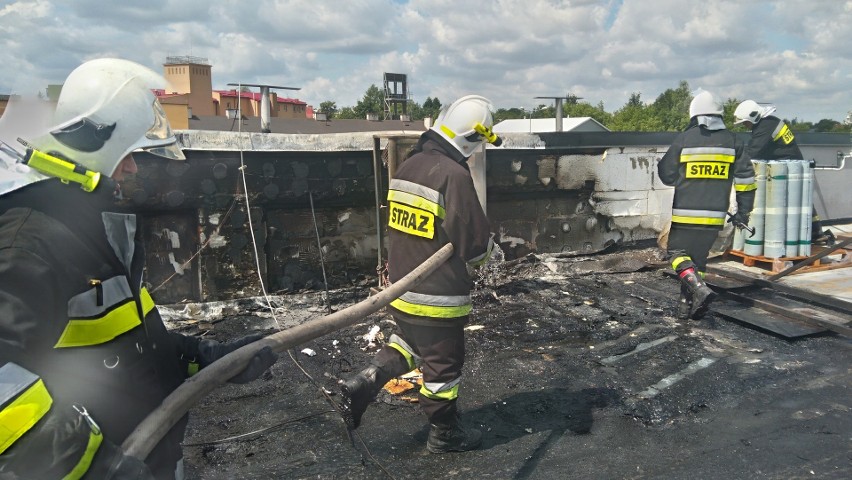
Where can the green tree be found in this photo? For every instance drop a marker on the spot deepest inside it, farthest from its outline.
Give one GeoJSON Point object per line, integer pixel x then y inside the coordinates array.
{"type": "Point", "coordinates": [431, 108]}
{"type": "Point", "coordinates": [415, 111]}
{"type": "Point", "coordinates": [329, 108]}
{"type": "Point", "coordinates": [635, 116]}
{"type": "Point", "coordinates": [347, 113]}
{"type": "Point", "coordinates": [583, 109]}
{"type": "Point", "coordinates": [372, 103]}
{"type": "Point", "coordinates": [506, 114]}
{"type": "Point", "coordinates": [826, 125]}
{"type": "Point", "coordinates": [544, 111]}
{"type": "Point", "coordinates": [671, 108]}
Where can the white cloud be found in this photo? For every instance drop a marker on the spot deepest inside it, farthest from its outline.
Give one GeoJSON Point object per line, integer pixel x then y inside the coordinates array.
{"type": "Point", "coordinates": [794, 53]}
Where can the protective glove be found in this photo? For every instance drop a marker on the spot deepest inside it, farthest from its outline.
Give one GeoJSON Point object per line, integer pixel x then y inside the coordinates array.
{"type": "Point", "coordinates": [210, 350]}
{"type": "Point", "coordinates": [739, 219]}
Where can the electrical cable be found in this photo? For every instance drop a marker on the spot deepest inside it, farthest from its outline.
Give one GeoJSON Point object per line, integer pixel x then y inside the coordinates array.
{"type": "Point", "coordinates": [266, 295]}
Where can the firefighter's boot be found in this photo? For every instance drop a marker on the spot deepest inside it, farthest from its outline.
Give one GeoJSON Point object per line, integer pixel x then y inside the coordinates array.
{"type": "Point", "coordinates": [684, 304]}
{"type": "Point", "coordinates": [359, 391]}
{"type": "Point", "coordinates": [452, 436]}
{"type": "Point", "coordinates": [701, 294]}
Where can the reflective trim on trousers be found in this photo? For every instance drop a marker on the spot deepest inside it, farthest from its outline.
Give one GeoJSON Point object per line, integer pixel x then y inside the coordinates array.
{"type": "Point", "coordinates": [24, 399]}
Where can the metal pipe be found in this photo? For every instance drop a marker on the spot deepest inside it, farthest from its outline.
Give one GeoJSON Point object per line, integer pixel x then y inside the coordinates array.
{"type": "Point", "coordinates": [377, 186]}
{"type": "Point", "coordinates": [558, 114]}
{"type": "Point", "coordinates": [155, 426]}
{"type": "Point", "coordinates": [265, 123]}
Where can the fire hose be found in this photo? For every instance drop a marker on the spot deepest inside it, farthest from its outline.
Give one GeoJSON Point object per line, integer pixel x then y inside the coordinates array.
{"type": "Point", "coordinates": [154, 427]}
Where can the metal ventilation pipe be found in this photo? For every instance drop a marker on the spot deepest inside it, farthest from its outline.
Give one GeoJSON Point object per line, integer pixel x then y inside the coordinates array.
{"type": "Point", "coordinates": [265, 106]}
{"type": "Point", "coordinates": [265, 103]}
{"type": "Point", "coordinates": [558, 114]}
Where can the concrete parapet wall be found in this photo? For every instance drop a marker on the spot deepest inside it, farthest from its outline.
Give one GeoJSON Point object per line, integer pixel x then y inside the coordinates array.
{"type": "Point", "coordinates": [540, 197]}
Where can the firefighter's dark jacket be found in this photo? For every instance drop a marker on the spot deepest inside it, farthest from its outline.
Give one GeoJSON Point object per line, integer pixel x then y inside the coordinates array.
{"type": "Point", "coordinates": [701, 164]}
{"type": "Point", "coordinates": [432, 202]}
{"type": "Point", "coordinates": [772, 139]}
{"type": "Point", "coordinates": [77, 328]}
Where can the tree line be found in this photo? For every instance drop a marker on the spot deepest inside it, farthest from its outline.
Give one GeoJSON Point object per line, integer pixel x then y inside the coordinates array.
{"type": "Point", "coordinates": [668, 112]}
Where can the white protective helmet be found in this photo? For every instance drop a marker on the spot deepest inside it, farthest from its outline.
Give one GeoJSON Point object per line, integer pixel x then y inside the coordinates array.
{"type": "Point", "coordinates": [704, 104]}
{"type": "Point", "coordinates": [467, 124]}
{"type": "Point", "coordinates": [107, 110]}
{"type": "Point", "coordinates": [751, 111]}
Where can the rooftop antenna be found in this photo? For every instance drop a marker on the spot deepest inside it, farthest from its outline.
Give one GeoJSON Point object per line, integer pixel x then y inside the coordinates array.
{"type": "Point", "coordinates": [264, 101]}
{"type": "Point", "coordinates": [571, 98]}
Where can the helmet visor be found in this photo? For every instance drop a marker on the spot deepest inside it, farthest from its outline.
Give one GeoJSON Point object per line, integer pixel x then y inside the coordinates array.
{"type": "Point", "coordinates": [160, 140]}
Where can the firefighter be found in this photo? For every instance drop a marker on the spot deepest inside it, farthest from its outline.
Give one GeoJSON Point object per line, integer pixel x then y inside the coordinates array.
{"type": "Point", "coordinates": [432, 202]}
{"type": "Point", "coordinates": [701, 165]}
{"type": "Point", "coordinates": [772, 139]}
{"type": "Point", "coordinates": [84, 354]}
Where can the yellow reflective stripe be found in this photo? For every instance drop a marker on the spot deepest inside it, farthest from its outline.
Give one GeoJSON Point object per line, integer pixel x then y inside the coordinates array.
{"type": "Point", "coordinates": [784, 133]}
{"type": "Point", "coordinates": [95, 440]}
{"type": "Point", "coordinates": [25, 411]}
{"type": "Point", "coordinates": [431, 310]}
{"type": "Point", "coordinates": [147, 302]}
{"type": "Point", "coordinates": [418, 202]}
{"type": "Point", "coordinates": [449, 394]}
{"type": "Point", "coordinates": [698, 220]}
{"type": "Point", "coordinates": [192, 368]}
{"type": "Point", "coordinates": [405, 353]}
{"type": "Point", "coordinates": [707, 157]}
{"type": "Point", "coordinates": [449, 132]}
{"type": "Point", "coordinates": [677, 261]}
{"type": "Point", "coordinates": [745, 188]}
{"type": "Point", "coordinates": [87, 332]}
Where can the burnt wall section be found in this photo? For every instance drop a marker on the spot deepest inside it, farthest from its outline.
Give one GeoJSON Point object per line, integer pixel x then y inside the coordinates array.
{"type": "Point", "coordinates": [198, 207]}
{"type": "Point", "coordinates": [343, 241]}
{"type": "Point", "coordinates": [171, 239]}
{"type": "Point", "coordinates": [544, 193]}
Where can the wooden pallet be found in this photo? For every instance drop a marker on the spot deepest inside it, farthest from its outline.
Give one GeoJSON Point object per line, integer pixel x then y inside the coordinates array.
{"type": "Point", "coordinates": [775, 265]}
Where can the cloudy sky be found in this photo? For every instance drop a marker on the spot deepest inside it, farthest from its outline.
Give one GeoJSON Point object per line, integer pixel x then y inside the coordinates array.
{"type": "Point", "coordinates": [794, 53]}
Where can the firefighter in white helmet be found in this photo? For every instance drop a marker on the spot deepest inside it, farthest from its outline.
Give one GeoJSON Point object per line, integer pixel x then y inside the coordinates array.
{"type": "Point", "coordinates": [432, 202]}
{"type": "Point", "coordinates": [701, 164]}
{"type": "Point", "coordinates": [771, 137]}
{"type": "Point", "coordinates": [85, 356]}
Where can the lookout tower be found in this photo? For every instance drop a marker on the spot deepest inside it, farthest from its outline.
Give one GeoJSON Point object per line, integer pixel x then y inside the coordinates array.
{"type": "Point", "coordinates": [396, 96]}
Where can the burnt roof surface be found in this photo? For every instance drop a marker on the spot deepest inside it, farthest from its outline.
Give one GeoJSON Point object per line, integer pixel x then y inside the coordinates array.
{"type": "Point", "coordinates": [304, 126]}
{"type": "Point", "coordinates": [576, 367]}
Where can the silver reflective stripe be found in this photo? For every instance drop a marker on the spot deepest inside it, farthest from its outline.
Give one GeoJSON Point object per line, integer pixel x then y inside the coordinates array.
{"type": "Point", "coordinates": [436, 300]}
{"type": "Point", "coordinates": [480, 259]}
{"type": "Point", "coordinates": [778, 129]}
{"type": "Point", "coordinates": [405, 346]}
{"type": "Point", "coordinates": [440, 387]}
{"type": "Point", "coordinates": [745, 181]}
{"type": "Point", "coordinates": [711, 150]}
{"type": "Point", "coordinates": [115, 291]}
{"type": "Point", "coordinates": [680, 212]}
{"type": "Point", "coordinates": [419, 190]}
{"type": "Point", "coordinates": [14, 380]}
{"type": "Point", "coordinates": [120, 230]}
